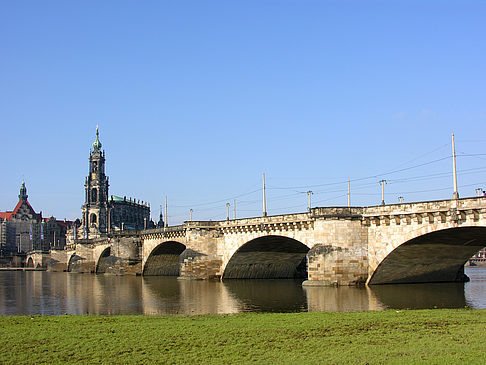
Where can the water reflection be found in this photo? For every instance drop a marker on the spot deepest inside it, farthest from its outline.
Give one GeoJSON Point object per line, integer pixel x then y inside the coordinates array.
{"type": "Point", "coordinates": [420, 296]}
{"type": "Point", "coordinates": [270, 295]}
{"type": "Point", "coordinates": [167, 295]}
{"type": "Point", "coordinates": [59, 293]}
{"type": "Point", "coordinates": [340, 299]}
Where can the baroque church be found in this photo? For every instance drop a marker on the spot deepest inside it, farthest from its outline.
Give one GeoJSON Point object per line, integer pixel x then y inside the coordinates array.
{"type": "Point", "coordinates": [101, 213]}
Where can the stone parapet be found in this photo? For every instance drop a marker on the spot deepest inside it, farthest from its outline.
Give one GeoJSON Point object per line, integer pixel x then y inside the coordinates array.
{"type": "Point", "coordinates": [477, 203]}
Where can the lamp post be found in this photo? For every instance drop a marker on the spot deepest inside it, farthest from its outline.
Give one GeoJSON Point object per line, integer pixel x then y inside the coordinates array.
{"type": "Point", "coordinates": [190, 215]}
{"type": "Point", "coordinates": [227, 211]}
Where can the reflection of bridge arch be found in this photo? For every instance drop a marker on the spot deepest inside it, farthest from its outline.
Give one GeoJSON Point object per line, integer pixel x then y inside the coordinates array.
{"type": "Point", "coordinates": [437, 256]}
{"type": "Point", "coordinates": [164, 259]}
{"type": "Point", "coordinates": [268, 257]}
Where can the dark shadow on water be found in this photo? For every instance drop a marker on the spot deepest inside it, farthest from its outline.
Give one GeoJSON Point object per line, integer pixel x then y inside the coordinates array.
{"type": "Point", "coordinates": [268, 295]}
{"type": "Point", "coordinates": [420, 296]}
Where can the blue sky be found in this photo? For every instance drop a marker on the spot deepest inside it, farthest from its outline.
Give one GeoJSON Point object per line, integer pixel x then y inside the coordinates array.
{"type": "Point", "coordinates": [195, 99]}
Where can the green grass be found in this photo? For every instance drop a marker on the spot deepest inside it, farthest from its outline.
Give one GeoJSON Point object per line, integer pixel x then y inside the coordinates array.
{"type": "Point", "coordinates": [425, 336]}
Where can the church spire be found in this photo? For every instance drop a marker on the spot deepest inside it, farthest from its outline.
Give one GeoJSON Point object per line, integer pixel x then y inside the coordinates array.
{"type": "Point", "coordinates": [97, 143]}
{"type": "Point", "coordinates": [23, 192]}
{"type": "Point", "coordinates": [95, 209]}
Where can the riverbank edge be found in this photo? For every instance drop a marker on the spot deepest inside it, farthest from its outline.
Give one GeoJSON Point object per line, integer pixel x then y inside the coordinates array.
{"type": "Point", "coordinates": [392, 336]}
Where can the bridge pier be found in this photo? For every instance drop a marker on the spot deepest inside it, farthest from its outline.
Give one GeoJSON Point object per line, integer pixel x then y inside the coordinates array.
{"type": "Point", "coordinates": [339, 255]}
{"type": "Point", "coordinates": [333, 265]}
{"type": "Point", "coordinates": [201, 267]}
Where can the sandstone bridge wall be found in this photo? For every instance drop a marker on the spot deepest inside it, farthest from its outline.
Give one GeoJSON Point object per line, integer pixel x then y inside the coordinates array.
{"type": "Point", "coordinates": [417, 242]}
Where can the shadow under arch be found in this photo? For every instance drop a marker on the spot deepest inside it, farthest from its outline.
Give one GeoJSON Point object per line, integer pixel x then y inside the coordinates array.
{"type": "Point", "coordinates": [164, 260]}
{"type": "Point", "coordinates": [73, 263]}
{"type": "Point", "coordinates": [102, 264]}
{"type": "Point", "coordinates": [30, 262]}
{"type": "Point", "coordinates": [268, 257]}
{"type": "Point", "coordinates": [433, 257]}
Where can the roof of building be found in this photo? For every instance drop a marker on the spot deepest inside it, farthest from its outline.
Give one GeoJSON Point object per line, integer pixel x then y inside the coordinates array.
{"type": "Point", "coordinates": [116, 198]}
{"type": "Point", "coordinates": [97, 143]}
{"type": "Point", "coordinates": [19, 204]}
{"type": "Point", "coordinates": [60, 222]}
{"type": "Point", "coordinates": [6, 215]}
{"type": "Point", "coordinates": [9, 215]}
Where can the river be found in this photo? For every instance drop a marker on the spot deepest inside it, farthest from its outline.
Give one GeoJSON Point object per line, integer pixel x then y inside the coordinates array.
{"type": "Point", "coordinates": [50, 293]}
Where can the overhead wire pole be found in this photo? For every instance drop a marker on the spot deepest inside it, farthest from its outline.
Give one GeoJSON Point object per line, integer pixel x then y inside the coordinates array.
{"type": "Point", "coordinates": [382, 183]}
{"type": "Point", "coordinates": [264, 199]}
{"type": "Point", "coordinates": [234, 208]}
{"type": "Point", "coordinates": [166, 223]}
{"type": "Point", "coordinates": [227, 211]}
{"type": "Point", "coordinates": [190, 214]}
{"type": "Point", "coordinates": [349, 193]}
{"type": "Point", "coordinates": [309, 193]}
{"type": "Point", "coordinates": [455, 195]}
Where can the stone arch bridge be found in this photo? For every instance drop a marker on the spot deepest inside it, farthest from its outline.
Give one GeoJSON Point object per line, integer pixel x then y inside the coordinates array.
{"type": "Point", "coordinates": [400, 243]}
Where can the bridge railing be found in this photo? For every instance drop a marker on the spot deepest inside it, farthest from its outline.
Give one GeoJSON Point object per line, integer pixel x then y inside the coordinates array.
{"type": "Point", "coordinates": [427, 206]}
{"type": "Point", "coordinates": [322, 212]}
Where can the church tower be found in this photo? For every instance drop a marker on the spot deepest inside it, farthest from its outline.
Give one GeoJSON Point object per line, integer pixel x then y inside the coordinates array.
{"type": "Point", "coordinates": [95, 208]}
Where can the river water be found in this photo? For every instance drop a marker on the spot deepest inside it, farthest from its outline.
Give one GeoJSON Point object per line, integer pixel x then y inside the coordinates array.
{"type": "Point", "coordinates": [38, 292]}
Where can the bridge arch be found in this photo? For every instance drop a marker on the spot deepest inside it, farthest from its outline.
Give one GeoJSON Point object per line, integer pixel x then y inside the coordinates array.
{"type": "Point", "coordinates": [30, 262]}
{"type": "Point", "coordinates": [268, 257]}
{"type": "Point", "coordinates": [101, 262]}
{"type": "Point", "coordinates": [437, 256]}
{"type": "Point", "coordinates": [164, 259]}
{"type": "Point", "coordinates": [70, 262]}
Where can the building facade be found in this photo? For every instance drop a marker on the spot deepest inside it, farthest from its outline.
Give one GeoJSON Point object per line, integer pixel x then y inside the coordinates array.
{"type": "Point", "coordinates": [20, 229]}
{"type": "Point", "coordinates": [54, 233]}
{"type": "Point", "coordinates": [128, 214]}
{"type": "Point", "coordinates": [23, 230]}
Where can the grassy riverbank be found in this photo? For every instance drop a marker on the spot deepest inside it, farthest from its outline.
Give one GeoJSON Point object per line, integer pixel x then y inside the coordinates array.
{"type": "Point", "coordinates": [425, 336]}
